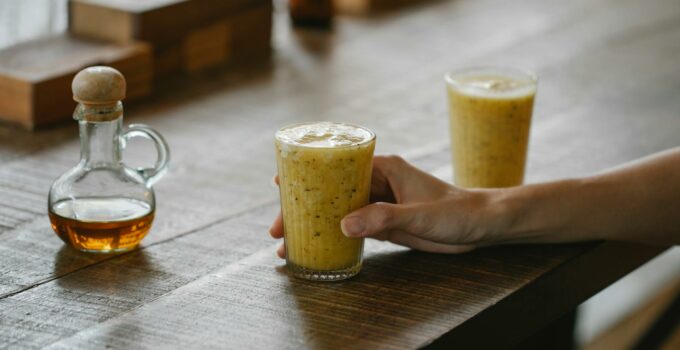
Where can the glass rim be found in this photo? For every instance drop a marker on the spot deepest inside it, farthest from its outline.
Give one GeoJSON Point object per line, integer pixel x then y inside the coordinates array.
{"type": "Point", "coordinates": [289, 126]}
{"type": "Point", "coordinates": [451, 81]}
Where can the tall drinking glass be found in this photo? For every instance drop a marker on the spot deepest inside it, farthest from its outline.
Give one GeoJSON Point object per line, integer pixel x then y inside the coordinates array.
{"type": "Point", "coordinates": [490, 114]}
{"type": "Point", "coordinates": [324, 173]}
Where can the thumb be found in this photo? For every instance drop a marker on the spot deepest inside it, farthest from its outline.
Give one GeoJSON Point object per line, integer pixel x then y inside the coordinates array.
{"type": "Point", "coordinates": [381, 217]}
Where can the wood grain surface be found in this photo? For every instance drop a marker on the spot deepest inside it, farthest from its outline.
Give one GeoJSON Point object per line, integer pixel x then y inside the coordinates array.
{"type": "Point", "coordinates": [206, 274]}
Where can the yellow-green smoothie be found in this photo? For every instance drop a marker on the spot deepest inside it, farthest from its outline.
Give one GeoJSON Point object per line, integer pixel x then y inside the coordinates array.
{"type": "Point", "coordinates": [324, 173]}
{"type": "Point", "coordinates": [490, 115]}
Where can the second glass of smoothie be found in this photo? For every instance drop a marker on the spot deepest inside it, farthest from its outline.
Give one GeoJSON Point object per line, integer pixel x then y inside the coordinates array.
{"type": "Point", "coordinates": [490, 113]}
{"type": "Point", "coordinates": [324, 173]}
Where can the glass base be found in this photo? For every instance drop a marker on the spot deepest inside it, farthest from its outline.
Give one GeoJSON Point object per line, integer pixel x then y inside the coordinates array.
{"type": "Point", "coordinates": [323, 275]}
{"type": "Point", "coordinates": [106, 251]}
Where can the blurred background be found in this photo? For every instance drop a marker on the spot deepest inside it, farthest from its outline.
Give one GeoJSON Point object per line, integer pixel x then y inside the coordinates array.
{"type": "Point", "coordinates": [617, 313]}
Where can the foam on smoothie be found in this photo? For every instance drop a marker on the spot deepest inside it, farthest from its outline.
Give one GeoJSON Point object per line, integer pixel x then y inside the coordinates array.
{"type": "Point", "coordinates": [490, 112]}
{"type": "Point", "coordinates": [494, 86]}
{"type": "Point", "coordinates": [324, 135]}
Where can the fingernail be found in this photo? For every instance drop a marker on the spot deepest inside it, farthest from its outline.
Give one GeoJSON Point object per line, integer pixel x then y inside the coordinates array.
{"type": "Point", "coordinates": [352, 226]}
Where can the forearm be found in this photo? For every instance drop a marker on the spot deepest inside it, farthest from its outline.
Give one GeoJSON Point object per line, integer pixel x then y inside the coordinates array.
{"type": "Point", "coordinates": [639, 202]}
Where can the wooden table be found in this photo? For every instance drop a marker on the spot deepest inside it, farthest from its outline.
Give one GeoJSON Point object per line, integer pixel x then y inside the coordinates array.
{"type": "Point", "coordinates": [207, 275]}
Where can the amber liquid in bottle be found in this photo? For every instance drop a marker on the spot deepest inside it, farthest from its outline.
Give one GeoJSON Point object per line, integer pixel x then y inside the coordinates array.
{"type": "Point", "coordinates": [101, 224]}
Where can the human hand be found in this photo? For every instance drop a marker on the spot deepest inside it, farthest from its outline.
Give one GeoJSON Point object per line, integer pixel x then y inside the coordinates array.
{"type": "Point", "coordinates": [414, 209]}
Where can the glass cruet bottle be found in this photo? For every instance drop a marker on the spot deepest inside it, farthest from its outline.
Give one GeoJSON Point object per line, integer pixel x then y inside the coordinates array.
{"type": "Point", "coordinates": [102, 205]}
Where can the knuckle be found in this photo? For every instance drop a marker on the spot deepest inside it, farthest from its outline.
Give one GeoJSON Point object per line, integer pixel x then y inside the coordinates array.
{"type": "Point", "coordinates": [384, 215]}
{"type": "Point", "coordinates": [395, 159]}
{"type": "Point", "coordinates": [418, 219]}
{"type": "Point", "coordinates": [422, 222]}
{"type": "Point", "coordinates": [390, 164]}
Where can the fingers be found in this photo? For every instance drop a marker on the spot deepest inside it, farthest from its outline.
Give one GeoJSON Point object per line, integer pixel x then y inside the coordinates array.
{"type": "Point", "coordinates": [408, 240]}
{"type": "Point", "coordinates": [381, 191]}
{"type": "Point", "coordinates": [382, 217]}
{"type": "Point", "coordinates": [394, 177]}
{"type": "Point", "coordinates": [276, 230]}
{"type": "Point", "coordinates": [281, 251]}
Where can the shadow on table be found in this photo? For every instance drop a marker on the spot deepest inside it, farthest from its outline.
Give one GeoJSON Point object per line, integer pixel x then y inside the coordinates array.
{"type": "Point", "coordinates": [382, 306]}
{"type": "Point", "coordinates": [178, 90]}
{"type": "Point", "coordinates": [107, 275]}
{"type": "Point", "coordinates": [318, 43]}
{"type": "Point", "coordinates": [69, 259]}
{"type": "Point", "coordinates": [403, 298]}
{"type": "Point", "coordinates": [393, 7]}
{"type": "Point", "coordinates": [167, 94]}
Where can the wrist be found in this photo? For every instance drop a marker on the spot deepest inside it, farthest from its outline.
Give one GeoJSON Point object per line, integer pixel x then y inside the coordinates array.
{"type": "Point", "coordinates": [503, 208]}
{"type": "Point", "coordinates": [482, 216]}
{"type": "Point", "coordinates": [538, 213]}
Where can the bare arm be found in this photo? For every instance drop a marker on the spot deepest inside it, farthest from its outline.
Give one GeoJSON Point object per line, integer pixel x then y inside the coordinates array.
{"type": "Point", "coordinates": [637, 202]}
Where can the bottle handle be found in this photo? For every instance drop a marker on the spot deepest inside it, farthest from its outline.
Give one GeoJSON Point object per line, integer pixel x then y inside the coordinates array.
{"type": "Point", "coordinates": [150, 175]}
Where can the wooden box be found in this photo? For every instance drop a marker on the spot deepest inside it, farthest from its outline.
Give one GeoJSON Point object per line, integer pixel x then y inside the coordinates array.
{"type": "Point", "coordinates": [35, 76]}
{"type": "Point", "coordinates": [154, 21]}
{"type": "Point", "coordinates": [187, 35]}
{"type": "Point", "coordinates": [242, 36]}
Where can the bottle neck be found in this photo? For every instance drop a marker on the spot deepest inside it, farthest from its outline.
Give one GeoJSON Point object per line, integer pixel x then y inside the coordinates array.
{"type": "Point", "coordinates": [100, 143]}
{"type": "Point", "coordinates": [100, 130]}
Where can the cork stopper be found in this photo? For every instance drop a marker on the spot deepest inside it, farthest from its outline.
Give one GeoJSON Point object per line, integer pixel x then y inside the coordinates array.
{"type": "Point", "coordinates": [101, 88]}
{"type": "Point", "coordinates": [98, 86]}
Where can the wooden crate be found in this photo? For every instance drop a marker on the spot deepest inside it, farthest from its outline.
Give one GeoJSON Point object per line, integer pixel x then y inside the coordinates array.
{"type": "Point", "coordinates": [187, 36]}
{"type": "Point", "coordinates": [35, 76]}
{"type": "Point", "coordinates": [251, 33]}
{"type": "Point", "coordinates": [243, 36]}
{"type": "Point", "coordinates": [154, 21]}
